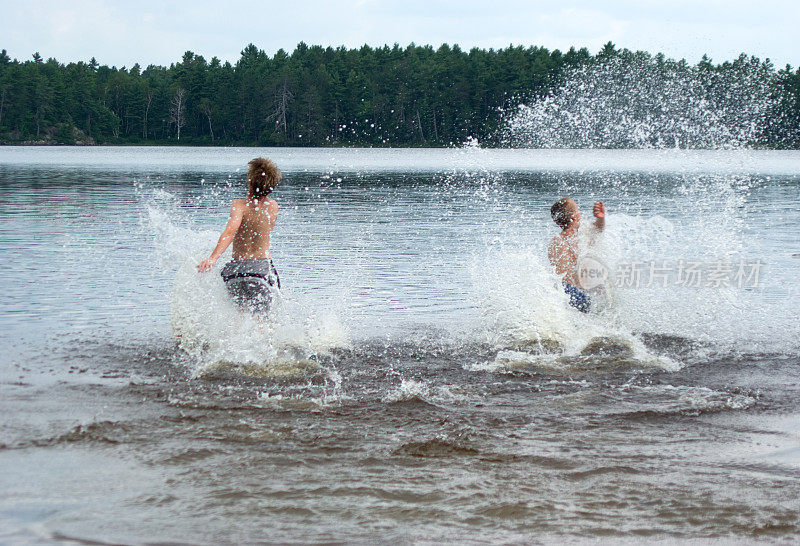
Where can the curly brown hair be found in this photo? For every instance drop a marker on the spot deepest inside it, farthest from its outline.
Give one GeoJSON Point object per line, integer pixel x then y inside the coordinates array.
{"type": "Point", "coordinates": [561, 213]}
{"type": "Point", "coordinates": [262, 177]}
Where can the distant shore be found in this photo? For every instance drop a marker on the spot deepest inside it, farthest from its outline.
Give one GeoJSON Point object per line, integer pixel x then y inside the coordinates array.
{"type": "Point", "coordinates": [403, 97]}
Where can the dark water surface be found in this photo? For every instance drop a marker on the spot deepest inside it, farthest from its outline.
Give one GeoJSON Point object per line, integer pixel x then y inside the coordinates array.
{"type": "Point", "coordinates": [423, 380]}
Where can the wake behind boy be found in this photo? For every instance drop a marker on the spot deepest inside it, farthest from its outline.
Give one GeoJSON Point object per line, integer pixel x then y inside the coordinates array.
{"type": "Point", "coordinates": [251, 276]}
{"type": "Point", "coordinates": [565, 248]}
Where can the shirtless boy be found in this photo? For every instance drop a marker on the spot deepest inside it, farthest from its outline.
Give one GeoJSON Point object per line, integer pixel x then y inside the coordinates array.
{"type": "Point", "coordinates": [250, 277]}
{"type": "Point", "coordinates": [564, 251]}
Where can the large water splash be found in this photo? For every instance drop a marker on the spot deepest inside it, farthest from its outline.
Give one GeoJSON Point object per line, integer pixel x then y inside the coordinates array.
{"type": "Point", "coordinates": [211, 330]}
{"type": "Point", "coordinates": [637, 101]}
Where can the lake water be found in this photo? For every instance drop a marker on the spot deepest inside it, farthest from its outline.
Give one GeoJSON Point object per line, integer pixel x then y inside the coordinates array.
{"type": "Point", "coordinates": [422, 378]}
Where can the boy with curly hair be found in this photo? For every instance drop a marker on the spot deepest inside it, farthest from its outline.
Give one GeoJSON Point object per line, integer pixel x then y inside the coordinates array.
{"type": "Point", "coordinates": [250, 276]}
{"type": "Point", "coordinates": [564, 248]}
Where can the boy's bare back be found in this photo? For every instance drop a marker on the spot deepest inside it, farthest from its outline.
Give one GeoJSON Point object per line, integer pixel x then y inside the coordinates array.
{"type": "Point", "coordinates": [564, 248]}
{"type": "Point", "coordinates": [252, 219]}
{"type": "Point", "coordinates": [252, 237]}
{"type": "Point", "coordinates": [563, 255]}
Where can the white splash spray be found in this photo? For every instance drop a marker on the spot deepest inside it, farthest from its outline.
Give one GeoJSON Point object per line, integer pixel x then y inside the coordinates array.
{"type": "Point", "coordinates": [213, 331]}
{"type": "Point", "coordinates": [645, 102]}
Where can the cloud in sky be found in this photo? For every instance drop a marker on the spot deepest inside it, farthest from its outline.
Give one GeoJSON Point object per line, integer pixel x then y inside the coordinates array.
{"type": "Point", "coordinates": [123, 32]}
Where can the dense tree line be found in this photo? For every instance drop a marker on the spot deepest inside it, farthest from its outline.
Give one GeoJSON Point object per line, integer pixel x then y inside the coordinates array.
{"type": "Point", "coordinates": [412, 96]}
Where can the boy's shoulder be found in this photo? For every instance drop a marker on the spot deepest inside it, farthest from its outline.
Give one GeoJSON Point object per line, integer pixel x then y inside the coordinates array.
{"type": "Point", "coordinates": [272, 205]}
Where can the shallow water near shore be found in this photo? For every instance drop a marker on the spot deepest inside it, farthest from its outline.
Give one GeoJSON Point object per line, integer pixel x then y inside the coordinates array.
{"type": "Point", "coordinates": [422, 377]}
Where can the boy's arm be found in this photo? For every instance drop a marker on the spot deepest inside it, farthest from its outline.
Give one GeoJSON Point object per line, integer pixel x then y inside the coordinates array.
{"type": "Point", "coordinates": [234, 221]}
{"type": "Point", "coordinates": [599, 211]}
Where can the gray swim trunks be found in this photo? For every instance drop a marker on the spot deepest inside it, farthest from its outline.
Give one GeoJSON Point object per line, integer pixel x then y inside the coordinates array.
{"type": "Point", "coordinates": [251, 283]}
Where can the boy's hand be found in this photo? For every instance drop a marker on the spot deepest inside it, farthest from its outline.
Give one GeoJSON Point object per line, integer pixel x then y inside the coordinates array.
{"type": "Point", "coordinates": [205, 265]}
{"type": "Point", "coordinates": [599, 210]}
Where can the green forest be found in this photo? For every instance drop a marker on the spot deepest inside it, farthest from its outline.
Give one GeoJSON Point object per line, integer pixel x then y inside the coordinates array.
{"type": "Point", "coordinates": [321, 96]}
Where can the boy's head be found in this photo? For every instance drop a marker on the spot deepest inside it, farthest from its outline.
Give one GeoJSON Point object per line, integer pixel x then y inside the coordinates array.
{"type": "Point", "coordinates": [262, 177]}
{"type": "Point", "coordinates": [565, 212]}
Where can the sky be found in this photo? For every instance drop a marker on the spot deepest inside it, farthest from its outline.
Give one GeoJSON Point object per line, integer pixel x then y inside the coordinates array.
{"type": "Point", "coordinates": [121, 33]}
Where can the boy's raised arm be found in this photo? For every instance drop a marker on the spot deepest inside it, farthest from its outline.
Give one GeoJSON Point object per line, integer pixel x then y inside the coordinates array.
{"type": "Point", "coordinates": [599, 212]}
{"type": "Point", "coordinates": [234, 221]}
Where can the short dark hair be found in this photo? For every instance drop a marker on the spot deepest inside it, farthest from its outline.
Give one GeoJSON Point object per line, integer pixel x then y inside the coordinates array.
{"type": "Point", "coordinates": [561, 215]}
{"type": "Point", "coordinates": [262, 177]}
